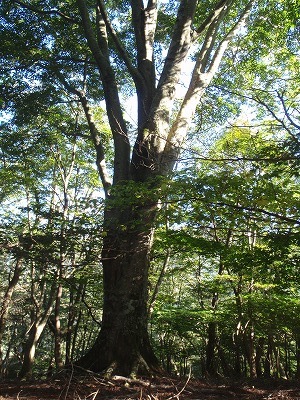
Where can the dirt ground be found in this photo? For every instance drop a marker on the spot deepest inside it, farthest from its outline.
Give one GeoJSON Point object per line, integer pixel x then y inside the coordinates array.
{"type": "Point", "coordinates": [119, 388]}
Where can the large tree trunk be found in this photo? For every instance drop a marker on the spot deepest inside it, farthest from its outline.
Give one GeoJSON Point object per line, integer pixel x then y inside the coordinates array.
{"type": "Point", "coordinates": [123, 344]}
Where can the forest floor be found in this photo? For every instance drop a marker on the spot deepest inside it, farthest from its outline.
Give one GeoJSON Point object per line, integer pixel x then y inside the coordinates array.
{"type": "Point", "coordinates": [119, 388]}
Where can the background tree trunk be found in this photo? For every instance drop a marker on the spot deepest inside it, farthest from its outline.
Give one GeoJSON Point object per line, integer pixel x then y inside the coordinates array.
{"type": "Point", "coordinates": [57, 330]}
{"type": "Point", "coordinates": [297, 375]}
{"type": "Point", "coordinates": [259, 355]}
{"type": "Point", "coordinates": [74, 318]}
{"type": "Point", "coordinates": [30, 348]}
{"type": "Point", "coordinates": [6, 303]}
{"type": "Point", "coordinates": [211, 366]}
{"type": "Point", "coordinates": [39, 322]}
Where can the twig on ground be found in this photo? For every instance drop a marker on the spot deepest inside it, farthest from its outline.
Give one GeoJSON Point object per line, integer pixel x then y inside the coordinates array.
{"type": "Point", "coordinates": [94, 394]}
{"type": "Point", "coordinates": [69, 382]}
{"type": "Point", "coordinates": [185, 385]}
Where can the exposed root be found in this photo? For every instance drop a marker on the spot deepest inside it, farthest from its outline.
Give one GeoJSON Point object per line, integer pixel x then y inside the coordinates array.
{"type": "Point", "coordinates": [140, 365]}
{"type": "Point", "coordinates": [133, 381]}
{"type": "Point", "coordinates": [109, 372]}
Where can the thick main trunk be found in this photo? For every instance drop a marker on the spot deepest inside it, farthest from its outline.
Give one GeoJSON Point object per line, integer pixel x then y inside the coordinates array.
{"type": "Point", "coordinates": [123, 345]}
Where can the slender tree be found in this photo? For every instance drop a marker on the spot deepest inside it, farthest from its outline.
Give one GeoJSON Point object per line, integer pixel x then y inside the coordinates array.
{"type": "Point", "coordinates": [6, 302]}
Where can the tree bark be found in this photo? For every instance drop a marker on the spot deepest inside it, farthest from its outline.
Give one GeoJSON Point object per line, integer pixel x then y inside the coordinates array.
{"type": "Point", "coordinates": [123, 344]}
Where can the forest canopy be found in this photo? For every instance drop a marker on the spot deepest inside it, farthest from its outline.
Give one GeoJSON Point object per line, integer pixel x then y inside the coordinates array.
{"type": "Point", "coordinates": [150, 201]}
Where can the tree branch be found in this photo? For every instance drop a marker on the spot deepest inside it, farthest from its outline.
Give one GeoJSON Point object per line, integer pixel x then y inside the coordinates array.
{"type": "Point", "coordinates": [165, 92]}
{"type": "Point", "coordinates": [112, 100]}
{"type": "Point", "coordinates": [152, 136]}
{"type": "Point", "coordinates": [293, 123]}
{"type": "Point", "coordinates": [96, 137]}
{"type": "Point", "coordinates": [47, 12]}
{"type": "Point", "coordinates": [144, 22]}
{"type": "Point", "coordinates": [95, 134]}
{"type": "Point", "coordinates": [262, 211]}
{"type": "Point", "coordinates": [210, 39]}
{"type": "Point", "coordinates": [258, 100]}
{"type": "Point", "coordinates": [224, 43]}
{"type": "Point", "coordinates": [100, 59]}
{"type": "Point", "coordinates": [201, 78]}
{"type": "Point", "coordinates": [119, 46]}
{"type": "Point", "coordinates": [89, 308]}
{"type": "Point", "coordinates": [101, 31]}
{"type": "Point", "coordinates": [179, 47]}
{"type": "Point", "coordinates": [270, 160]}
{"type": "Point", "coordinates": [212, 17]}
{"type": "Point", "coordinates": [274, 115]}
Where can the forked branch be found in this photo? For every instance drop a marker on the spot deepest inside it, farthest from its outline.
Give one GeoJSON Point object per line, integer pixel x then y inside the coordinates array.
{"type": "Point", "coordinates": [112, 100]}
{"type": "Point", "coordinates": [203, 74]}
{"type": "Point", "coordinates": [94, 132]}
{"type": "Point", "coordinates": [119, 46]}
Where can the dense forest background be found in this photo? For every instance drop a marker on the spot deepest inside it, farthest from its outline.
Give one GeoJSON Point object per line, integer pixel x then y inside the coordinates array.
{"type": "Point", "coordinates": [224, 269]}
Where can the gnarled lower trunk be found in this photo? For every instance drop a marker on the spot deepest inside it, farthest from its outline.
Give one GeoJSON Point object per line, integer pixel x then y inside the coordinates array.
{"type": "Point", "coordinates": [123, 345]}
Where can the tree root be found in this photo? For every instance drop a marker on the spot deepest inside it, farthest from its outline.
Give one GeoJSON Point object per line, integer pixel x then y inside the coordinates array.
{"type": "Point", "coordinates": [139, 367]}
{"type": "Point", "coordinates": [109, 372]}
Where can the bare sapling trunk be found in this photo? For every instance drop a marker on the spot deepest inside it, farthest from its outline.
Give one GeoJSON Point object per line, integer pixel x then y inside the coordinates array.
{"type": "Point", "coordinates": [58, 331]}
{"type": "Point", "coordinates": [250, 351]}
{"type": "Point", "coordinates": [74, 318]}
{"type": "Point", "coordinates": [6, 303]}
{"type": "Point", "coordinates": [259, 355]}
{"type": "Point", "coordinates": [37, 327]}
{"type": "Point", "coordinates": [297, 375]}
{"type": "Point", "coordinates": [30, 348]}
